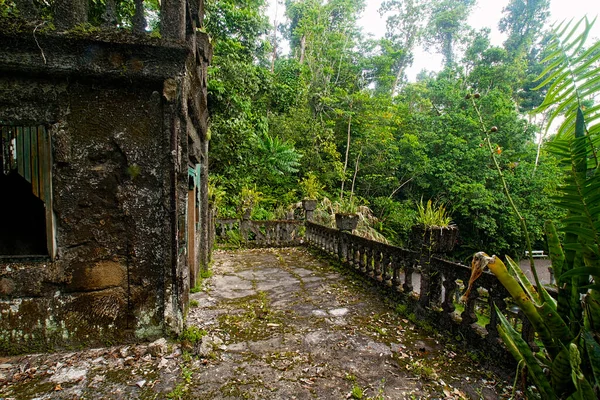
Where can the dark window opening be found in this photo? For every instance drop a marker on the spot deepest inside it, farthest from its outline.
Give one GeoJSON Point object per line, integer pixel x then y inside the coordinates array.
{"type": "Point", "coordinates": [23, 227]}
{"type": "Point", "coordinates": [26, 217]}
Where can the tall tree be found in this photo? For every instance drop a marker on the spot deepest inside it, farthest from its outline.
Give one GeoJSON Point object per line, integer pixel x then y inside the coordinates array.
{"type": "Point", "coordinates": [523, 21]}
{"type": "Point", "coordinates": [405, 25]}
{"type": "Point", "coordinates": [446, 26]}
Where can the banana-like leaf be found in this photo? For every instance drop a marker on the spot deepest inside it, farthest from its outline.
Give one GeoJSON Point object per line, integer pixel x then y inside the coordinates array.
{"type": "Point", "coordinates": [542, 297]}
{"type": "Point", "coordinates": [557, 256]}
{"type": "Point", "coordinates": [562, 383]}
{"type": "Point", "coordinates": [593, 287]}
{"type": "Point", "coordinates": [524, 302]}
{"type": "Point", "coordinates": [592, 349]}
{"type": "Point", "coordinates": [592, 310]}
{"type": "Point", "coordinates": [581, 271]}
{"type": "Point", "coordinates": [572, 73]}
{"type": "Point", "coordinates": [533, 367]}
{"type": "Point", "coordinates": [510, 344]}
{"type": "Point", "coordinates": [527, 286]}
{"type": "Point", "coordinates": [557, 326]}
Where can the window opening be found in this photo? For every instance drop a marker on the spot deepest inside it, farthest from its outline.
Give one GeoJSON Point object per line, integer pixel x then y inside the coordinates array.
{"type": "Point", "coordinates": [26, 217]}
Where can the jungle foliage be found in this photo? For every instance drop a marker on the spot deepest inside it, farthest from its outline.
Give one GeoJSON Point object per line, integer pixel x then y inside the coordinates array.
{"type": "Point", "coordinates": [339, 107]}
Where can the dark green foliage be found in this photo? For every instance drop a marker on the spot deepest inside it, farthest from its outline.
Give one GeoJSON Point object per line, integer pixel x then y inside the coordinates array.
{"type": "Point", "coordinates": [423, 142]}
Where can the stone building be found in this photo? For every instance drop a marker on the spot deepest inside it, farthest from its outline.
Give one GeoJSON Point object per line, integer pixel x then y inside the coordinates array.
{"type": "Point", "coordinates": [103, 190]}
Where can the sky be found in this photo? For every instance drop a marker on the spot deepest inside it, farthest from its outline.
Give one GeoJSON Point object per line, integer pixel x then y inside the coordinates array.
{"type": "Point", "coordinates": [486, 13]}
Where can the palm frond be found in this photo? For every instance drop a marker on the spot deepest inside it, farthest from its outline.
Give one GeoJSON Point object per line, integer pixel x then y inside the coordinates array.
{"type": "Point", "coordinates": [279, 156]}
{"type": "Point", "coordinates": [573, 73]}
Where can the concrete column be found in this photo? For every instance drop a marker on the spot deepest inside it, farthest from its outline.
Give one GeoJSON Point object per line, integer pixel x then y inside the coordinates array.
{"type": "Point", "coordinates": [172, 19]}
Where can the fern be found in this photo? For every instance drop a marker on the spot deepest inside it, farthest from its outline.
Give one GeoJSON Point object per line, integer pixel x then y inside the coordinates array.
{"type": "Point", "coordinates": [279, 156]}
{"type": "Point", "coordinates": [572, 72]}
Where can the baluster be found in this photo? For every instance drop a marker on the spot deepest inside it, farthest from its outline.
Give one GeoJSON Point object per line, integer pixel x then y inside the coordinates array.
{"type": "Point", "coordinates": [139, 20]}
{"type": "Point", "coordinates": [496, 297]}
{"type": "Point", "coordinates": [377, 265]}
{"type": "Point", "coordinates": [449, 292]}
{"type": "Point", "coordinates": [395, 265]}
{"type": "Point", "coordinates": [435, 282]}
{"type": "Point", "coordinates": [387, 270]}
{"type": "Point", "coordinates": [335, 242]}
{"type": "Point", "coordinates": [362, 266]}
{"type": "Point", "coordinates": [425, 290]}
{"type": "Point", "coordinates": [528, 333]}
{"type": "Point", "coordinates": [409, 268]}
{"type": "Point", "coordinates": [341, 246]}
{"type": "Point", "coordinates": [280, 233]}
{"type": "Point", "coordinates": [384, 267]}
{"type": "Point", "coordinates": [349, 250]}
{"type": "Point", "coordinates": [468, 315]}
{"type": "Point", "coordinates": [358, 261]}
{"type": "Point", "coordinates": [369, 259]}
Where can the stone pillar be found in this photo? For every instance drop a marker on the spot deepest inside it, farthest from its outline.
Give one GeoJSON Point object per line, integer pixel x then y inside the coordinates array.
{"type": "Point", "coordinates": [309, 207]}
{"type": "Point", "coordinates": [172, 19]}
{"type": "Point", "coordinates": [139, 19]}
{"type": "Point", "coordinates": [69, 13]}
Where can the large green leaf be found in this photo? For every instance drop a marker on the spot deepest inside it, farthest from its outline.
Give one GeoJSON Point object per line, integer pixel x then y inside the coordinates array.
{"type": "Point", "coordinates": [533, 366]}
{"type": "Point", "coordinates": [592, 349]}
{"type": "Point", "coordinates": [581, 271]}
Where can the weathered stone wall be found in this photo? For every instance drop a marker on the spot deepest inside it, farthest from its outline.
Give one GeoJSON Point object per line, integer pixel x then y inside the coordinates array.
{"type": "Point", "coordinates": [125, 125]}
{"type": "Point", "coordinates": [112, 219]}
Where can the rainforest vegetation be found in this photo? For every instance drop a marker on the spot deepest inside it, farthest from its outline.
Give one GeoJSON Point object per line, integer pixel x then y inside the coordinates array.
{"type": "Point", "coordinates": [337, 106]}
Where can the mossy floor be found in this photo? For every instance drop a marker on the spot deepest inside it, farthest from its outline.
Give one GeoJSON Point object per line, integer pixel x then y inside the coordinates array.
{"type": "Point", "coordinates": [270, 324]}
{"type": "Point", "coordinates": [295, 327]}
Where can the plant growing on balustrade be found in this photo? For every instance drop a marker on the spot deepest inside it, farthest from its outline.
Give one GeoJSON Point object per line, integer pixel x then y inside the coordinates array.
{"type": "Point", "coordinates": [310, 187]}
{"type": "Point", "coordinates": [432, 214]}
{"type": "Point", "coordinates": [250, 198]}
{"type": "Point", "coordinates": [326, 211]}
{"type": "Point", "coordinates": [434, 227]}
{"type": "Point", "coordinates": [568, 328]}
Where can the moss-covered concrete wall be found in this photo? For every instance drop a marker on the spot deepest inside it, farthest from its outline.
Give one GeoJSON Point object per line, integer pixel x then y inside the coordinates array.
{"type": "Point", "coordinates": [126, 120]}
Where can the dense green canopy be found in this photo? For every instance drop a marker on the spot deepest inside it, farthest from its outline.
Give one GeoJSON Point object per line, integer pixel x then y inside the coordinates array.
{"type": "Point", "coordinates": [339, 107]}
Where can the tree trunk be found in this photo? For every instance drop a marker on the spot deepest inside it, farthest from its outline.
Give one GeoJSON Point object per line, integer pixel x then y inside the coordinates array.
{"type": "Point", "coordinates": [302, 48]}
{"type": "Point", "coordinates": [355, 173]}
{"type": "Point", "coordinates": [346, 158]}
{"type": "Point", "coordinates": [274, 56]}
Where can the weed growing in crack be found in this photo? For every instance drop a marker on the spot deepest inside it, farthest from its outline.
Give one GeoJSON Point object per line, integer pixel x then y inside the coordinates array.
{"type": "Point", "coordinates": [192, 334]}
{"type": "Point", "coordinates": [205, 274]}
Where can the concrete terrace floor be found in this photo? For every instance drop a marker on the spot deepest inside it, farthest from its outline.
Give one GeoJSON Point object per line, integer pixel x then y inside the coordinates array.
{"type": "Point", "coordinates": [280, 324]}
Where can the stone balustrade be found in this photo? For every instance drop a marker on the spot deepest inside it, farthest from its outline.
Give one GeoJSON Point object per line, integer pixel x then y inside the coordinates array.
{"type": "Point", "coordinates": [276, 233]}
{"type": "Point", "coordinates": [434, 295]}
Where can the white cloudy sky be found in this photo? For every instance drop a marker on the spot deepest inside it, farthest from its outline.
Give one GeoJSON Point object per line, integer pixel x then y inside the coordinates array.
{"type": "Point", "coordinates": [487, 13]}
